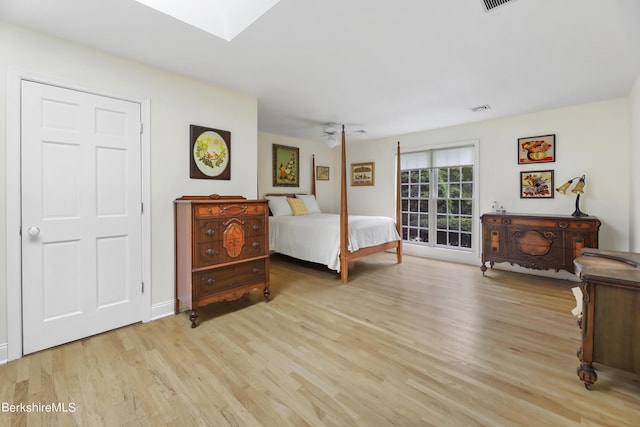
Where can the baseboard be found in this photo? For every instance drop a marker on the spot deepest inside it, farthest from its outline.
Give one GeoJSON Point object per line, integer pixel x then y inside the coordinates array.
{"type": "Point", "coordinates": [162, 309]}
{"type": "Point", "coordinates": [4, 353]}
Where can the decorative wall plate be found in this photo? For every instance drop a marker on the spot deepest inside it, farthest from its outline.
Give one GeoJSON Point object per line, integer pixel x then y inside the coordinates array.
{"type": "Point", "coordinates": [210, 153]}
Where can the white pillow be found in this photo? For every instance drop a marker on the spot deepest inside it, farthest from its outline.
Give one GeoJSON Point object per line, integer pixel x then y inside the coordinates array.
{"type": "Point", "coordinates": [279, 205]}
{"type": "Point", "coordinates": [310, 203]}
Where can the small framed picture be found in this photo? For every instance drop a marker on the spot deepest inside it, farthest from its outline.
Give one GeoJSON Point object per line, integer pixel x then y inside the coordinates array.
{"type": "Point", "coordinates": [537, 149]}
{"type": "Point", "coordinates": [363, 173]}
{"type": "Point", "coordinates": [322, 173]}
{"type": "Point", "coordinates": [536, 184]}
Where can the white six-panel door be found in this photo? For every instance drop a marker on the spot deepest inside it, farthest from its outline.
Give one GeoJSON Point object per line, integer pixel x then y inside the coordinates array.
{"type": "Point", "coordinates": [81, 214]}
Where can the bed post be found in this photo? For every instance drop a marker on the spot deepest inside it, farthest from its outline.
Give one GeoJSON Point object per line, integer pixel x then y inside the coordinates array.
{"type": "Point", "coordinates": [398, 207]}
{"type": "Point", "coordinates": [313, 174]}
{"type": "Point", "coordinates": [344, 218]}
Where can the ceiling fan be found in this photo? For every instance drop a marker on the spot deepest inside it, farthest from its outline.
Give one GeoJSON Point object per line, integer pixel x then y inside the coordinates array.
{"type": "Point", "coordinates": [332, 132]}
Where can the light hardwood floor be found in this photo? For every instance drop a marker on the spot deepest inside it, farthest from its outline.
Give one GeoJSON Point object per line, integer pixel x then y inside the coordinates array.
{"type": "Point", "coordinates": [425, 343]}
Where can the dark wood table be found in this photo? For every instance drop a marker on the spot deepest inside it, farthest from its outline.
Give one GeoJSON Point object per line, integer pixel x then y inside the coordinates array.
{"type": "Point", "coordinates": [610, 320]}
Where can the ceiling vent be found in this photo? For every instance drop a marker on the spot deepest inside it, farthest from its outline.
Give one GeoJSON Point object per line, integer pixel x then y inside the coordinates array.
{"type": "Point", "coordinates": [481, 108]}
{"type": "Point", "coordinates": [491, 4]}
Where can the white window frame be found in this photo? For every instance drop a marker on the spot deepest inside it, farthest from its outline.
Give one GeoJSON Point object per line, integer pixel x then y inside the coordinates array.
{"type": "Point", "coordinates": [432, 249]}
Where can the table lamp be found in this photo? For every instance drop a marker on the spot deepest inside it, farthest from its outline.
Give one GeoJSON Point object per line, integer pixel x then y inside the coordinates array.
{"type": "Point", "coordinates": [578, 189]}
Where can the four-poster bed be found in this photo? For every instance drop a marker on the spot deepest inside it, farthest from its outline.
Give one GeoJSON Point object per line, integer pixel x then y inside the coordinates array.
{"type": "Point", "coordinates": [313, 237]}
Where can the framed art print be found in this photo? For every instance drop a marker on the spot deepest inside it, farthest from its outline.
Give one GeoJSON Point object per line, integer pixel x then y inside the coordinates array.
{"type": "Point", "coordinates": [363, 174]}
{"type": "Point", "coordinates": [322, 173]}
{"type": "Point", "coordinates": [536, 184]}
{"type": "Point", "coordinates": [210, 153]}
{"type": "Point", "coordinates": [537, 149]}
{"type": "Point", "coordinates": [285, 166]}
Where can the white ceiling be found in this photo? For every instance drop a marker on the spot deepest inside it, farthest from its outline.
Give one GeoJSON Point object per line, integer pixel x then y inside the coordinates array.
{"type": "Point", "coordinates": [388, 66]}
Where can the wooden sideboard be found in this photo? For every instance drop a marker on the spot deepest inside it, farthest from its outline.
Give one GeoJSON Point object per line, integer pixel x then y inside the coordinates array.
{"type": "Point", "coordinates": [610, 321]}
{"type": "Point", "coordinates": [222, 250]}
{"type": "Point", "coordinates": [539, 242]}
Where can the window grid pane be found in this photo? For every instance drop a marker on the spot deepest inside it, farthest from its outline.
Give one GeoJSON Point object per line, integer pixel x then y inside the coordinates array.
{"type": "Point", "coordinates": [415, 205]}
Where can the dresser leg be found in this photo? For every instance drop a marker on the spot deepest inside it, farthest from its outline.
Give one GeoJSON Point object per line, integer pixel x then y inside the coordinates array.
{"type": "Point", "coordinates": [483, 268]}
{"type": "Point", "coordinates": [193, 316]}
{"type": "Point", "coordinates": [587, 374]}
{"type": "Point", "coordinates": [266, 293]}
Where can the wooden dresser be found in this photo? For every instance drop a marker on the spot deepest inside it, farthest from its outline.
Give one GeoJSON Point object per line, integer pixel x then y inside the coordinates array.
{"type": "Point", "coordinates": [222, 250]}
{"type": "Point", "coordinates": [540, 242]}
{"type": "Point", "coordinates": [610, 320]}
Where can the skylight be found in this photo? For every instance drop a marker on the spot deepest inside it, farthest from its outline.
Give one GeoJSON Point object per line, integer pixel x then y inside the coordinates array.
{"type": "Point", "coordinates": [222, 18]}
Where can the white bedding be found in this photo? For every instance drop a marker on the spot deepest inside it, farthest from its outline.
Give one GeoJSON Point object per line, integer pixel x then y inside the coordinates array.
{"type": "Point", "coordinates": [316, 237]}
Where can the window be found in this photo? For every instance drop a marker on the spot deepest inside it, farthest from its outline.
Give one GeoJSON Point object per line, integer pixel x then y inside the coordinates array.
{"type": "Point", "coordinates": [437, 197]}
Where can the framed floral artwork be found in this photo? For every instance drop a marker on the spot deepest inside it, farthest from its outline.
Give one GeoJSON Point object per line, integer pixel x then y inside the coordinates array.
{"type": "Point", "coordinates": [363, 173]}
{"type": "Point", "coordinates": [537, 149]}
{"type": "Point", "coordinates": [210, 153]}
{"type": "Point", "coordinates": [286, 161]}
{"type": "Point", "coordinates": [536, 184]}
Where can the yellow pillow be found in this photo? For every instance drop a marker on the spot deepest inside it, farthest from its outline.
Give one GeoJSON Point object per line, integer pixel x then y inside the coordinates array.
{"type": "Point", "coordinates": [297, 206]}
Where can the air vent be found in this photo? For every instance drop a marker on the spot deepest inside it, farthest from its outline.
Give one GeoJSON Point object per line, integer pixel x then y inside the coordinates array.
{"type": "Point", "coordinates": [481, 108]}
{"type": "Point", "coordinates": [491, 4]}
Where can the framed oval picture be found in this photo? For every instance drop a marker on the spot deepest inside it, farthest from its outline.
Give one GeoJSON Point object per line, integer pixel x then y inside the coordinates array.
{"type": "Point", "coordinates": [210, 153]}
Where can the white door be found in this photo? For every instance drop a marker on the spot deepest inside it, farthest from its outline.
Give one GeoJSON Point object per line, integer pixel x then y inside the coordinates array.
{"type": "Point", "coordinates": [81, 215]}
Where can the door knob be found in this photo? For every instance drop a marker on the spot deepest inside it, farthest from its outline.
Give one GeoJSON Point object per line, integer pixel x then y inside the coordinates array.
{"type": "Point", "coordinates": [33, 231]}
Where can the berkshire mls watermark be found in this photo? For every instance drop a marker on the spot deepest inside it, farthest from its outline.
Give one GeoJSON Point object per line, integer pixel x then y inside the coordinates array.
{"type": "Point", "coordinates": [57, 407]}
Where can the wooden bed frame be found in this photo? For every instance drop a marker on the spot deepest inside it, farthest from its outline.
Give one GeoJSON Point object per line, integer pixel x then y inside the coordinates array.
{"type": "Point", "coordinates": [345, 255]}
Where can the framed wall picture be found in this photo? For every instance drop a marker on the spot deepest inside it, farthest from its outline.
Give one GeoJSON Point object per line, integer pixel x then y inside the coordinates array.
{"type": "Point", "coordinates": [363, 173]}
{"type": "Point", "coordinates": [322, 173]}
{"type": "Point", "coordinates": [209, 153]}
{"type": "Point", "coordinates": [286, 161]}
{"type": "Point", "coordinates": [536, 184]}
{"type": "Point", "coordinates": [537, 149]}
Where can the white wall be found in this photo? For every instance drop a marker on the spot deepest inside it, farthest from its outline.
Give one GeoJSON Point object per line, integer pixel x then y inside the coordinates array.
{"type": "Point", "coordinates": [324, 156]}
{"type": "Point", "coordinates": [591, 139]}
{"type": "Point", "coordinates": [176, 102]}
{"type": "Point", "coordinates": [634, 158]}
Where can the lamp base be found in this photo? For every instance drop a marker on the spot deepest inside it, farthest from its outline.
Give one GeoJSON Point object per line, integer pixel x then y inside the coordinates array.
{"type": "Point", "coordinates": [578, 212]}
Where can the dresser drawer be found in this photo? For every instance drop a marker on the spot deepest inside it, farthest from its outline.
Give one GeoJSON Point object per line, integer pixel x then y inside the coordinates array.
{"type": "Point", "coordinates": [214, 252]}
{"type": "Point", "coordinates": [235, 209]}
{"type": "Point", "coordinates": [213, 229]}
{"type": "Point", "coordinates": [228, 278]}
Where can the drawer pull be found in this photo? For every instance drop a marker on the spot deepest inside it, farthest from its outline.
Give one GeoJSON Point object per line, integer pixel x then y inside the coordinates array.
{"type": "Point", "coordinates": [255, 227]}
{"type": "Point", "coordinates": [256, 244]}
{"type": "Point", "coordinates": [210, 251]}
{"type": "Point", "coordinates": [210, 232]}
{"type": "Point", "coordinates": [210, 281]}
{"type": "Point", "coordinates": [255, 270]}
